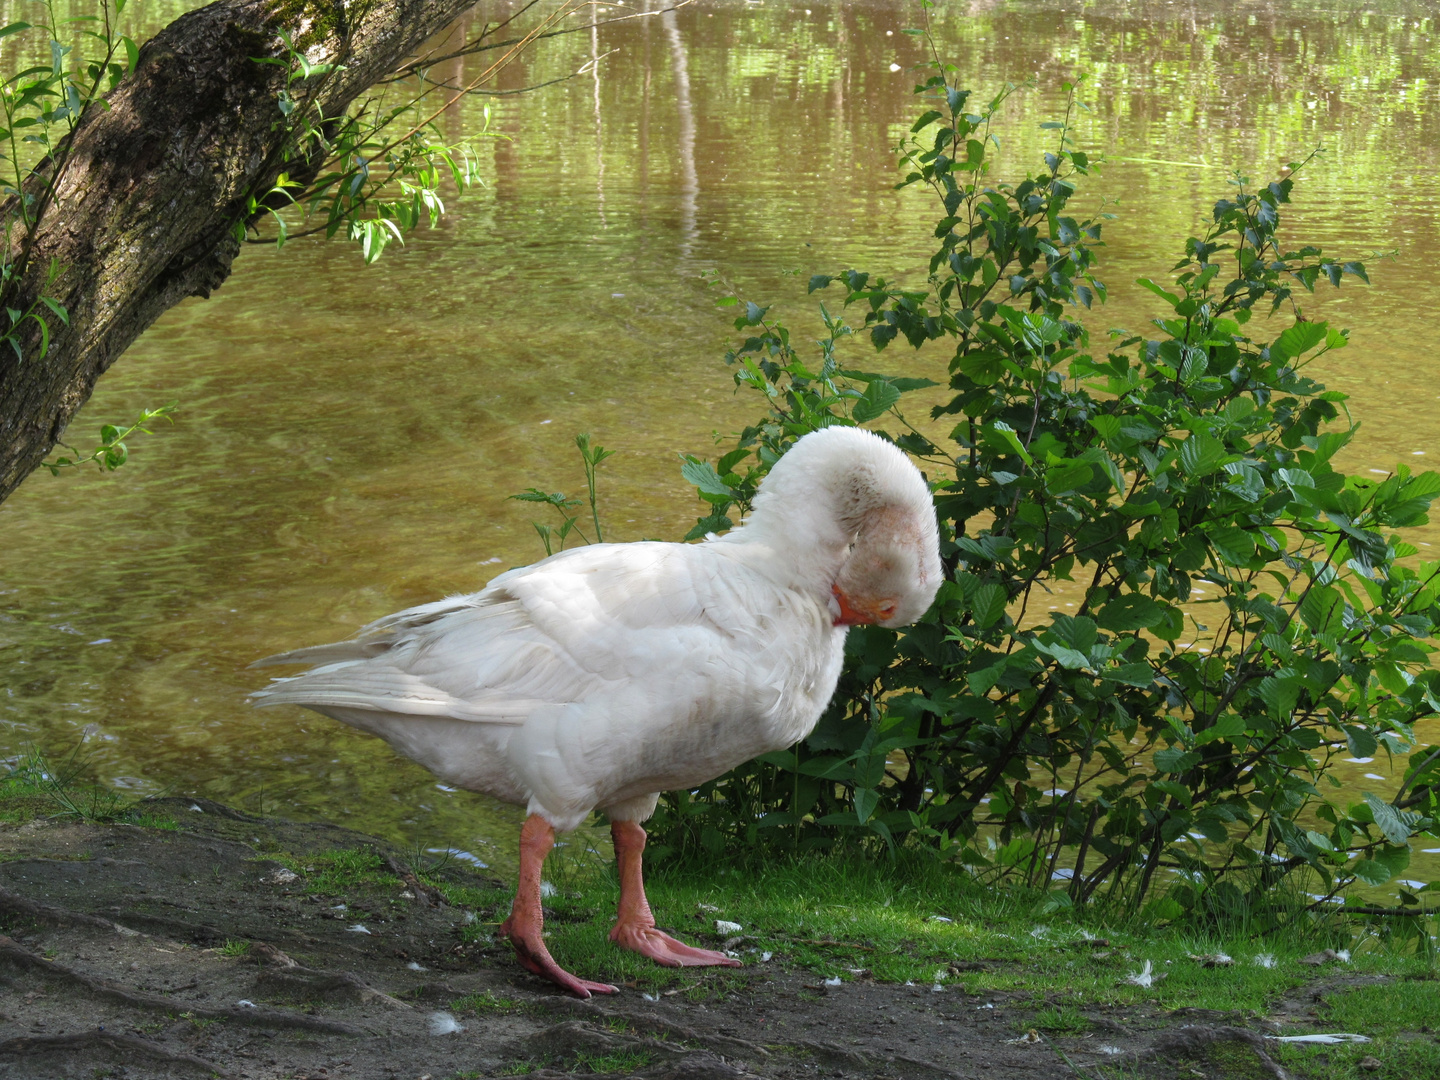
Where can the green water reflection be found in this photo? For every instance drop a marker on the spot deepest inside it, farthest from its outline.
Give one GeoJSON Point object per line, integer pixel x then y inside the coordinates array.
{"type": "Point", "coordinates": [348, 436]}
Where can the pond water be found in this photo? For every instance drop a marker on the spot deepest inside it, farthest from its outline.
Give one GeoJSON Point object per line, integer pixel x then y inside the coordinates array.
{"type": "Point", "coordinates": [348, 436]}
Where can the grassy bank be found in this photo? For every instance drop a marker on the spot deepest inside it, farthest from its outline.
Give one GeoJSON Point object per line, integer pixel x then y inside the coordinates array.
{"type": "Point", "coordinates": [918, 922]}
{"type": "Point", "coordinates": [911, 920]}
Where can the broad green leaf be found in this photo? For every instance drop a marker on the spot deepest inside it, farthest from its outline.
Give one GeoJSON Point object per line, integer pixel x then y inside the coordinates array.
{"type": "Point", "coordinates": [1163, 909]}
{"type": "Point", "coordinates": [1395, 858]}
{"type": "Point", "coordinates": [1005, 434]}
{"type": "Point", "coordinates": [1230, 726]}
{"type": "Point", "coordinates": [1299, 339]}
{"type": "Point", "coordinates": [1108, 427]}
{"type": "Point", "coordinates": [1176, 759]}
{"type": "Point", "coordinates": [1201, 454]}
{"type": "Point", "coordinates": [1322, 608]}
{"type": "Point", "coordinates": [984, 366]}
{"type": "Point", "coordinates": [1076, 631]}
{"type": "Point", "coordinates": [987, 605]}
{"type": "Point", "coordinates": [1212, 829]}
{"type": "Point", "coordinates": [1130, 612]}
{"type": "Point", "coordinates": [1238, 409]}
{"type": "Point", "coordinates": [1066, 657]}
{"type": "Point", "coordinates": [1236, 547]}
{"type": "Point", "coordinates": [1397, 825]}
{"type": "Point", "coordinates": [879, 397]}
{"type": "Point", "coordinates": [1361, 743]}
{"type": "Point", "coordinates": [703, 475]}
{"type": "Point", "coordinates": [866, 799]}
{"type": "Point", "coordinates": [1176, 790]}
{"type": "Point", "coordinates": [1015, 852]}
{"type": "Point", "coordinates": [1371, 872]}
{"type": "Point", "coordinates": [1170, 298]}
{"type": "Point", "coordinates": [904, 385]}
{"type": "Point", "coordinates": [1137, 674]}
{"type": "Point", "coordinates": [1068, 477]}
{"type": "Point", "coordinates": [1171, 625]}
{"type": "Point", "coordinates": [1280, 696]}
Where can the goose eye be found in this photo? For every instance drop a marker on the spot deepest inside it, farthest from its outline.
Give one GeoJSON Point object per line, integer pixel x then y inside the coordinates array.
{"type": "Point", "coordinates": [887, 609]}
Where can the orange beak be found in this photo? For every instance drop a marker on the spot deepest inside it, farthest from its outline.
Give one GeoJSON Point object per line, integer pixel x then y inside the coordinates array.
{"type": "Point", "coordinates": [853, 614]}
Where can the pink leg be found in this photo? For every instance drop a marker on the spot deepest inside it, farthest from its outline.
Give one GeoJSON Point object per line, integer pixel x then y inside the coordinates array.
{"type": "Point", "coordinates": [525, 925]}
{"type": "Point", "coordinates": [635, 926]}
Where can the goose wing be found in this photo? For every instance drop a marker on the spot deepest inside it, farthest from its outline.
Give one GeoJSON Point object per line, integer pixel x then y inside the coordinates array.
{"type": "Point", "coordinates": [577, 627]}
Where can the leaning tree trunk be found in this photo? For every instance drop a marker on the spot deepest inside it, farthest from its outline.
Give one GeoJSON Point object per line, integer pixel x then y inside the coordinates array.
{"type": "Point", "coordinates": [145, 210]}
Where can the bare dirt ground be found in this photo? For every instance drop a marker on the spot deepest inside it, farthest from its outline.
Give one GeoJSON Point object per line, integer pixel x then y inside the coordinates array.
{"type": "Point", "coordinates": [114, 963]}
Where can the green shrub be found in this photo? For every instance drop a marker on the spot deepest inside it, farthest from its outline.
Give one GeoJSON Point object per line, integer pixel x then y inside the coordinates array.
{"type": "Point", "coordinates": [1151, 728]}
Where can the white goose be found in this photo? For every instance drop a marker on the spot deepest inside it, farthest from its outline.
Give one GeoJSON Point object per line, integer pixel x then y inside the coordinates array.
{"type": "Point", "coordinates": [604, 675]}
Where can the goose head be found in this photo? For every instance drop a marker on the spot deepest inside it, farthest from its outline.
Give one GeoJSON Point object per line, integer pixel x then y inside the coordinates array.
{"type": "Point", "coordinates": [886, 577]}
{"type": "Point", "coordinates": [859, 522]}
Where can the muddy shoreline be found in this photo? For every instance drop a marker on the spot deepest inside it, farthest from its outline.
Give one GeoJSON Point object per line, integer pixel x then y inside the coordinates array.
{"type": "Point", "coordinates": [196, 951]}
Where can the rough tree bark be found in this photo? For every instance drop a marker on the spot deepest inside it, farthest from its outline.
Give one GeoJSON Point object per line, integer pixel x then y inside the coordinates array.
{"type": "Point", "coordinates": [147, 203]}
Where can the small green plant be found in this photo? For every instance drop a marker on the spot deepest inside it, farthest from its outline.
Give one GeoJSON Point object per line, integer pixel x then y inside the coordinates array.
{"type": "Point", "coordinates": [41, 105]}
{"type": "Point", "coordinates": [36, 784]}
{"type": "Point", "coordinates": [1065, 1019]}
{"type": "Point", "coordinates": [482, 899]}
{"type": "Point", "coordinates": [147, 819]}
{"type": "Point", "coordinates": [1398, 1014]}
{"type": "Point", "coordinates": [428, 864]}
{"type": "Point", "coordinates": [375, 172]}
{"type": "Point", "coordinates": [344, 870]}
{"type": "Point", "coordinates": [551, 536]}
{"type": "Point", "coordinates": [23, 788]}
{"type": "Point", "coordinates": [1167, 610]}
{"type": "Point", "coordinates": [234, 947]}
{"type": "Point", "coordinates": [617, 1062]}
{"type": "Point", "coordinates": [112, 452]}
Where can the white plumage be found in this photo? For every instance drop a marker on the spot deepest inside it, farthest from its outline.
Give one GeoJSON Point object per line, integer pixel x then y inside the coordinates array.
{"type": "Point", "coordinates": [604, 675]}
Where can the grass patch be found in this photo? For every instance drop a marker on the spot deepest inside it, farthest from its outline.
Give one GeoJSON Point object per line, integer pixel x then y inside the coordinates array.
{"type": "Point", "coordinates": [486, 905]}
{"type": "Point", "coordinates": [1401, 1016]}
{"type": "Point", "coordinates": [342, 871]}
{"type": "Point", "coordinates": [33, 786]}
{"type": "Point", "coordinates": [232, 947]}
{"type": "Point", "coordinates": [149, 820]}
{"type": "Point", "coordinates": [922, 922]}
{"type": "Point", "coordinates": [1059, 1020]}
{"type": "Point", "coordinates": [620, 1061]}
{"type": "Point", "coordinates": [23, 792]}
{"type": "Point", "coordinates": [1233, 1061]}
